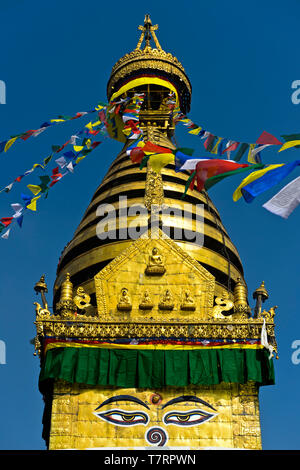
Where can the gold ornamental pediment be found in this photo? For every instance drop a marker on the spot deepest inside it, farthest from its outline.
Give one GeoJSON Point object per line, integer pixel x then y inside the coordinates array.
{"type": "Point", "coordinates": [154, 280]}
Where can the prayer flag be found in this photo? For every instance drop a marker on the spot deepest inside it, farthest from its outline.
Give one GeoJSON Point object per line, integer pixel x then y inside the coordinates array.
{"type": "Point", "coordinates": [266, 138]}
{"type": "Point", "coordinates": [289, 144]}
{"type": "Point", "coordinates": [267, 181]}
{"type": "Point", "coordinates": [6, 234]}
{"type": "Point", "coordinates": [241, 150]}
{"type": "Point", "coordinates": [9, 143]}
{"type": "Point", "coordinates": [252, 177]}
{"type": "Point", "coordinates": [217, 178]}
{"type": "Point", "coordinates": [284, 202]}
{"type": "Point", "coordinates": [6, 221]}
{"type": "Point", "coordinates": [159, 160]}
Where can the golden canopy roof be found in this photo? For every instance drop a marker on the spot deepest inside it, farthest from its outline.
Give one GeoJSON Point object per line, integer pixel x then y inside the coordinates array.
{"type": "Point", "coordinates": [150, 61]}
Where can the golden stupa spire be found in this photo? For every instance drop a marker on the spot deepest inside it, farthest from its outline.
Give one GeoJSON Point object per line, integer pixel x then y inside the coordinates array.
{"type": "Point", "coordinates": [150, 303]}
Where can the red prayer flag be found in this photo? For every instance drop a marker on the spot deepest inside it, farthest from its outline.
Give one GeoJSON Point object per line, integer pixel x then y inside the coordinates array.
{"type": "Point", "coordinates": [265, 138]}
{"type": "Point", "coordinates": [150, 147]}
{"type": "Point", "coordinates": [231, 147]}
{"type": "Point", "coordinates": [6, 221]}
{"type": "Point", "coordinates": [209, 140]}
{"type": "Point", "coordinates": [208, 168]}
{"type": "Point", "coordinates": [28, 134]}
{"type": "Point", "coordinates": [137, 155]}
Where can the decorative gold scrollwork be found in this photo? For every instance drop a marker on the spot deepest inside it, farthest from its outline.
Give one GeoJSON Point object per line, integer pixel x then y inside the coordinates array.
{"type": "Point", "coordinates": [223, 305]}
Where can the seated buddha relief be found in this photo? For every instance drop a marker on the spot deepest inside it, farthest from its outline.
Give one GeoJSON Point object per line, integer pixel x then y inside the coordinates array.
{"type": "Point", "coordinates": [155, 264]}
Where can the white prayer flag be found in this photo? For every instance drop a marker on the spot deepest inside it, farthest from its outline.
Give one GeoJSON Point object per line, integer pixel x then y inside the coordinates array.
{"type": "Point", "coordinates": [6, 234]}
{"type": "Point", "coordinates": [264, 339]}
{"type": "Point", "coordinates": [284, 202]}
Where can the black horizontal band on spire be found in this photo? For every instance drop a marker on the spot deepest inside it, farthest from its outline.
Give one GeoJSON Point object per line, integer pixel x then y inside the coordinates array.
{"type": "Point", "coordinates": [186, 236]}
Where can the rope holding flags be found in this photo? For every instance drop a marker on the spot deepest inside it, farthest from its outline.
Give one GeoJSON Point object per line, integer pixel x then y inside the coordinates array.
{"type": "Point", "coordinates": [120, 119]}
{"type": "Point", "coordinates": [6, 144]}
{"type": "Point", "coordinates": [68, 160]}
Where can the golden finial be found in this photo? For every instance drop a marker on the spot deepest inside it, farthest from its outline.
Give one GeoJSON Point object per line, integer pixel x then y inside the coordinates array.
{"type": "Point", "coordinates": [66, 304]}
{"type": "Point", "coordinates": [260, 294]}
{"type": "Point", "coordinates": [240, 297]}
{"type": "Point", "coordinates": [148, 31]}
{"type": "Point", "coordinates": [66, 289]}
{"type": "Point", "coordinates": [41, 287]}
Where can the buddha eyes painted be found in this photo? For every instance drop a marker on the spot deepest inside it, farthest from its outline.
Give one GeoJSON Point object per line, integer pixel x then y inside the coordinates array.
{"type": "Point", "coordinates": [121, 417]}
{"type": "Point", "coordinates": [187, 418]}
{"type": "Point", "coordinates": [124, 418]}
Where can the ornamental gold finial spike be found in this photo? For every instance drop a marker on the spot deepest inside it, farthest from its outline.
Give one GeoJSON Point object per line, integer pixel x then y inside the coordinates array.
{"type": "Point", "coordinates": [66, 289]}
{"type": "Point", "coordinates": [66, 304]}
{"type": "Point", "coordinates": [240, 297]}
{"type": "Point", "coordinates": [260, 294]}
{"type": "Point", "coordinates": [148, 32]}
{"type": "Point", "coordinates": [41, 287]}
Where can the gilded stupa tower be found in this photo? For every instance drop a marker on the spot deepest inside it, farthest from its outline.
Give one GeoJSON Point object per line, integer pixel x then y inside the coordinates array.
{"type": "Point", "coordinates": [152, 341]}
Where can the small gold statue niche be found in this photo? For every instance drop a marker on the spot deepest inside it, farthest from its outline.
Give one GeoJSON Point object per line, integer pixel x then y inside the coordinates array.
{"type": "Point", "coordinates": [155, 265]}
{"type": "Point", "coordinates": [188, 302]}
{"type": "Point", "coordinates": [166, 301]}
{"type": "Point", "coordinates": [146, 303]}
{"type": "Point", "coordinates": [124, 303]}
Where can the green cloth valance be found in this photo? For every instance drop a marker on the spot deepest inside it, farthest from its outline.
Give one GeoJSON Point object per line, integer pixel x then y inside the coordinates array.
{"type": "Point", "coordinates": [157, 368]}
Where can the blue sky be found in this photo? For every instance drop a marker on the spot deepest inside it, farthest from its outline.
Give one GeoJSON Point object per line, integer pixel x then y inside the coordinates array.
{"type": "Point", "coordinates": [56, 58]}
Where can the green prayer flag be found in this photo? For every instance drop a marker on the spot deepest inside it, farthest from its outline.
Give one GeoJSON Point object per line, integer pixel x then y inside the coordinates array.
{"type": "Point", "coordinates": [144, 162]}
{"type": "Point", "coordinates": [187, 185]}
{"type": "Point", "coordinates": [215, 179]}
{"type": "Point", "coordinates": [288, 137]}
{"type": "Point", "coordinates": [241, 150]}
{"type": "Point", "coordinates": [185, 150]}
{"type": "Point", "coordinates": [47, 159]}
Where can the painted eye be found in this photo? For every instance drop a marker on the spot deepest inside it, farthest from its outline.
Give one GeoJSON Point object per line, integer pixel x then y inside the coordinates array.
{"type": "Point", "coordinates": [123, 418]}
{"type": "Point", "coordinates": [189, 418]}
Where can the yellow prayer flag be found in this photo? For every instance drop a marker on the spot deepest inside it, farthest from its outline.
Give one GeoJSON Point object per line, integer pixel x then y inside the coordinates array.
{"type": "Point", "coordinates": [80, 158]}
{"type": "Point", "coordinates": [32, 205]}
{"type": "Point", "coordinates": [34, 188]}
{"type": "Point", "coordinates": [215, 149]}
{"type": "Point", "coordinates": [9, 143]}
{"type": "Point", "coordinates": [195, 131]}
{"type": "Point", "coordinates": [252, 177]}
{"type": "Point", "coordinates": [38, 165]}
{"type": "Point", "coordinates": [78, 148]}
{"type": "Point", "coordinates": [249, 158]}
{"type": "Point", "coordinates": [159, 160]}
{"type": "Point", "coordinates": [126, 131]}
{"type": "Point", "coordinates": [289, 144]}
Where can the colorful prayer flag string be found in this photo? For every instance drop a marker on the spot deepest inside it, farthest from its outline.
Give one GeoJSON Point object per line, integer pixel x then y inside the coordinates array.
{"type": "Point", "coordinates": [6, 144]}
